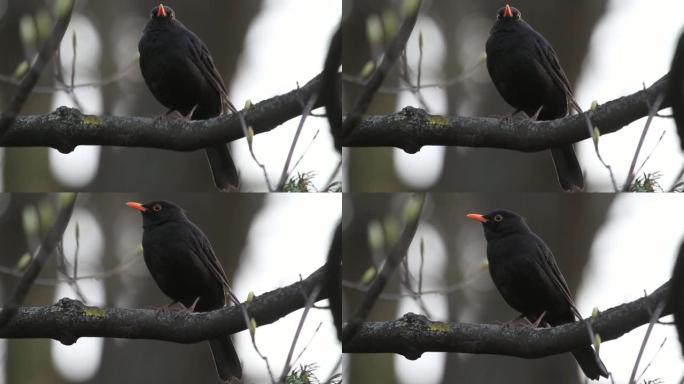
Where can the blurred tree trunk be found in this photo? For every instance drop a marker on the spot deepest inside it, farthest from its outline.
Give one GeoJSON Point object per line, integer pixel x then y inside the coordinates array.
{"type": "Point", "coordinates": [358, 211]}
{"type": "Point", "coordinates": [18, 161]}
{"type": "Point", "coordinates": [367, 170]}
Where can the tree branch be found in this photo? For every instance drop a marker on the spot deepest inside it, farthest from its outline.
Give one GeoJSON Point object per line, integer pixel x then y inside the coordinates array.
{"type": "Point", "coordinates": [68, 319]}
{"type": "Point", "coordinates": [66, 128]}
{"type": "Point", "coordinates": [64, 10]}
{"type": "Point", "coordinates": [413, 335]}
{"type": "Point", "coordinates": [412, 128]}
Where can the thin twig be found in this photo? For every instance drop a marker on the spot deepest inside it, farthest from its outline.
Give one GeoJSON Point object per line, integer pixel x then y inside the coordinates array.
{"type": "Point", "coordinates": [305, 113]}
{"type": "Point", "coordinates": [654, 317]}
{"type": "Point", "coordinates": [309, 302]}
{"type": "Point", "coordinates": [651, 114]}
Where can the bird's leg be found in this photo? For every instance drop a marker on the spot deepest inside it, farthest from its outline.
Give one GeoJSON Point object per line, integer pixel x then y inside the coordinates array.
{"type": "Point", "coordinates": [536, 114]}
{"type": "Point", "coordinates": [191, 309]}
{"type": "Point", "coordinates": [192, 111]}
{"type": "Point", "coordinates": [539, 320]}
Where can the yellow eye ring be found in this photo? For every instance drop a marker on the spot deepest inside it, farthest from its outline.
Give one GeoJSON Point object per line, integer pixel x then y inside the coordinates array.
{"type": "Point", "coordinates": [498, 218]}
{"type": "Point", "coordinates": [156, 208]}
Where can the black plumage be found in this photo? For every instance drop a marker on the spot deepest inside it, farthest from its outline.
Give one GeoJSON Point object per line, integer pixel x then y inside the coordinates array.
{"type": "Point", "coordinates": [184, 266]}
{"type": "Point", "coordinates": [526, 72]}
{"type": "Point", "coordinates": [526, 274]}
{"type": "Point", "coordinates": [180, 72]}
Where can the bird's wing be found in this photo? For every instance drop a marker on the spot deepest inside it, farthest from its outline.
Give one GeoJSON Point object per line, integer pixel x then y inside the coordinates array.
{"type": "Point", "coordinates": [202, 248]}
{"type": "Point", "coordinates": [550, 60]}
{"type": "Point", "coordinates": [205, 63]}
{"type": "Point", "coordinates": [548, 264]}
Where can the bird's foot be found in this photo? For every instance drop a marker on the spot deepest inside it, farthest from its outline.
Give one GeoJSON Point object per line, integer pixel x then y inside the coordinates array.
{"type": "Point", "coordinates": [170, 307]}
{"type": "Point", "coordinates": [539, 320]}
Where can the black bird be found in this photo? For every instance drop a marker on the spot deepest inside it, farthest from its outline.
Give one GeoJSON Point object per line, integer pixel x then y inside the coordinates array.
{"type": "Point", "coordinates": [526, 72]}
{"type": "Point", "coordinates": [184, 266]}
{"type": "Point", "coordinates": [180, 72]}
{"type": "Point", "coordinates": [676, 89]}
{"type": "Point", "coordinates": [526, 274]}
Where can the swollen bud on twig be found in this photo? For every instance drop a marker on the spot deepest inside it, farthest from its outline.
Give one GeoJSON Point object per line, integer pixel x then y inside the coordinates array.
{"type": "Point", "coordinates": [374, 30]}
{"type": "Point", "coordinates": [24, 261]}
{"type": "Point", "coordinates": [376, 236]}
{"type": "Point", "coordinates": [248, 104]}
{"type": "Point", "coordinates": [410, 7]}
{"type": "Point", "coordinates": [252, 326]}
{"type": "Point", "coordinates": [65, 199]}
{"type": "Point", "coordinates": [594, 313]}
{"type": "Point", "coordinates": [250, 297]}
{"type": "Point", "coordinates": [597, 342]}
{"type": "Point", "coordinates": [369, 275]}
{"type": "Point", "coordinates": [30, 220]}
{"type": "Point", "coordinates": [27, 32]}
{"type": "Point", "coordinates": [63, 7]}
{"type": "Point", "coordinates": [21, 70]}
{"type": "Point", "coordinates": [391, 23]}
{"type": "Point", "coordinates": [44, 24]}
{"type": "Point", "coordinates": [594, 105]}
{"type": "Point", "coordinates": [368, 69]}
{"type": "Point", "coordinates": [250, 136]}
{"type": "Point", "coordinates": [412, 209]}
{"type": "Point", "coordinates": [391, 231]}
{"type": "Point", "coordinates": [595, 135]}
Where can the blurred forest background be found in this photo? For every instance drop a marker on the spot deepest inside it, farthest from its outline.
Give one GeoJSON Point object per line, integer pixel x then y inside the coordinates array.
{"type": "Point", "coordinates": [262, 48]}
{"type": "Point", "coordinates": [263, 241]}
{"type": "Point", "coordinates": [603, 54]}
{"type": "Point", "coordinates": [610, 248]}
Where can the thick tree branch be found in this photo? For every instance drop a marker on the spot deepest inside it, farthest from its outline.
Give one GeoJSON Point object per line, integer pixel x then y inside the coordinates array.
{"type": "Point", "coordinates": [68, 319]}
{"type": "Point", "coordinates": [412, 128]}
{"type": "Point", "coordinates": [413, 335]}
{"type": "Point", "coordinates": [66, 128]}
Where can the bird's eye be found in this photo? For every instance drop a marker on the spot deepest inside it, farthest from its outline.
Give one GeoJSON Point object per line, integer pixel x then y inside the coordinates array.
{"type": "Point", "coordinates": [498, 218]}
{"type": "Point", "coordinates": [156, 207]}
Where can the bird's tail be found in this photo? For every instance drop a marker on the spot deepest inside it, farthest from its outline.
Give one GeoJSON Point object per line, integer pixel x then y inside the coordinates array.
{"type": "Point", "coordinates": [223, 168]}
{"type": "Point", "coordinates": [568, 168]}
{"type": "Point", "coordinates": [226, 359]}
{"type": "Point", "coordinates": [591, 365]}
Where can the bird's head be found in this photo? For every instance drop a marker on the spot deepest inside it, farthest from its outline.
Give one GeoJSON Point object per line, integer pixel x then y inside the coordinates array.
{"type": "Point", "coordinates": [157, 212]}
{"type": "Point", "coordinates": [162, 12]}
{"type": "Point", "coordinates": [508, 13]}
{"type": "Point", "coordinates": [500, 222]}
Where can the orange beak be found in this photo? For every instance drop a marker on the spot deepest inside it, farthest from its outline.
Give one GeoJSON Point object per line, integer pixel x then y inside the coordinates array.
{"type": "Point", "coordinates": [508, 12]}
{"type": "Point", "coordinates": [136, 206]}
{"type": "Point", "coordinates": [477, 217]}
{"type": "Point", "coordinates": [161, 11]}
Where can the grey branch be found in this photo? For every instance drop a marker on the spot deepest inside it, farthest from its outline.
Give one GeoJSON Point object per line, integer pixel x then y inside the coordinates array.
{"type": "Point", "coordinates": [68, 319]}
{"type": "Point", "coordinates": [66, 128]}
{"type": "Point", "coordinates": [412, 335]}
{"type": "Point", "coordinates": [412, 128]}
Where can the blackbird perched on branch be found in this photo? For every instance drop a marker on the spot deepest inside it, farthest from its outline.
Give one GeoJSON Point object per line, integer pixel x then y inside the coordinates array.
{"type": "Point", "coordinates": [526, 72]}
{"type": "Point", "coordinates": [526, 274]}
{"type": "Point", "coordinates": [184, 266]}
{"type": "Point", "coordinates": [178, 69]}
{"type": "Point", "coordinates": [676, 89]}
